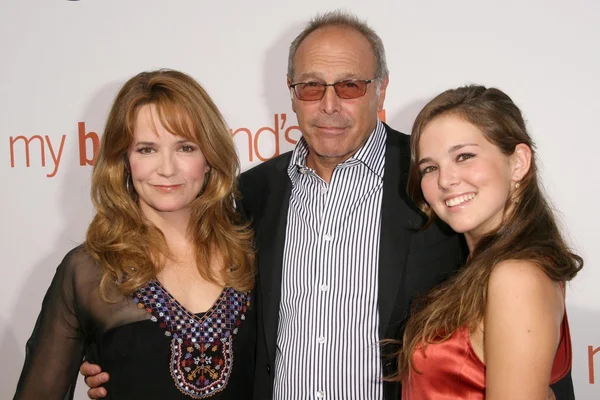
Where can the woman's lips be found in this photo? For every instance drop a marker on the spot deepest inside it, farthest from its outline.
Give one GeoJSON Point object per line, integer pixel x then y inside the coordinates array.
{"type": "Point", "coordinates": [167, 188]}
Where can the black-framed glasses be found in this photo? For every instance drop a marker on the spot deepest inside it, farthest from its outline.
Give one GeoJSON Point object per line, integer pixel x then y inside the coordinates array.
{"type": "Point", "coordinates": [346, 89]}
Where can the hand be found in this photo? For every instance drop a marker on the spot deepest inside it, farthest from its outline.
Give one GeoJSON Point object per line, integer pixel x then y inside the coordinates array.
{"type": "Point", "coordinates": [94, 378]}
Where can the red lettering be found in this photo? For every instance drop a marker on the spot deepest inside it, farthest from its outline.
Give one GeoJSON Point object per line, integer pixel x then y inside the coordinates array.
{"type": "Point", "coordinates": [287, 134]}
{"type": "Point", "coordinates": [27, 142]}
{"type": "Point", "coordinates": [55, 158]}
{"type": "Point", "coordinates": [83, 137]}
{"type": "Point", "coordinates": [250, 158]}
{"type": "Point", "coordinates": [275, 137]}
{"type": "Point", "coordinates": [591, 352]}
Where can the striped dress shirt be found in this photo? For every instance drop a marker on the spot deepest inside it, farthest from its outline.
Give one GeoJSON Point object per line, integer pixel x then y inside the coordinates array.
{"type": "Point", "coordinates": [327, 338]}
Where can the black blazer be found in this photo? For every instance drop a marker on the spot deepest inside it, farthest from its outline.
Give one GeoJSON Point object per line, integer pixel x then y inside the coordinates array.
{"type": "Point", "coordinates": [411, 261]}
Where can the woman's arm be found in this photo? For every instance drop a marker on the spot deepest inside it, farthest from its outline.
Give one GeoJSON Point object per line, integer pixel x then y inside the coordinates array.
{"type": "Point", "coordinates": [522, 321]}
{"type": "Point", "coordinates": [56, 346]}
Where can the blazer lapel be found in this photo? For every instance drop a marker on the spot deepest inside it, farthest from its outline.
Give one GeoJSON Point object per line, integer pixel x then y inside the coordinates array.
{"type": "Point", "coordinates": [271, 241]}
{"type": "Point", "coordinates": [397, 228]}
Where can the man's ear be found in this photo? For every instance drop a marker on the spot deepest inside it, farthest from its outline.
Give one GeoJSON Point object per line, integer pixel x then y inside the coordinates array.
{"type": "Point", "coordinates": [293, 100]}
{"type": "Point", "coordinates": [382, 88]}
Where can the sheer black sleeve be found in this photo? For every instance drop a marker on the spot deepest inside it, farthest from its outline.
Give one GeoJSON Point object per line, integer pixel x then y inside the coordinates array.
{"type": "Point", "coordinates": [56, 347]}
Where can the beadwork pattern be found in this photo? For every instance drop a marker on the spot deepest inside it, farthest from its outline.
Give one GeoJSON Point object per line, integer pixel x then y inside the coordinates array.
{"type": "Point", "coordinates": [201, 346]}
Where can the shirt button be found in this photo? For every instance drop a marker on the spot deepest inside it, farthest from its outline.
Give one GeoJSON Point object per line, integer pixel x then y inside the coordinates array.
{"type": "Point", "coordinates": [320, 394]}
{"type": "Point", "coordinates": [328, 237]}
{"type": "Point", "coordinates": [324, 287]}
{"type": "Point", "coordinates": [321, 339]}
{"type": "Point", "coordinates": [324, 190]}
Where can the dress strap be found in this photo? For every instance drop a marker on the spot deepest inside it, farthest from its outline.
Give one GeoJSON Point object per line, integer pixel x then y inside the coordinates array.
{"type": "Point", "coordinates": [564, 357]}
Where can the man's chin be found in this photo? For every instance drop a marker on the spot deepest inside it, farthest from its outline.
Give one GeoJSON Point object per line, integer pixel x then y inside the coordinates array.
{"type": "Point", "coordinates": [332, 154]}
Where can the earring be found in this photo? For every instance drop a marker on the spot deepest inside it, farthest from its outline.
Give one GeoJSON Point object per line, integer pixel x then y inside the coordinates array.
{"type": "Point", "coordinates": [205, 184]}
{"type": "Point", "coordinates": [517, 185]}
{"type": "Point", "coordinates": [127, 184]}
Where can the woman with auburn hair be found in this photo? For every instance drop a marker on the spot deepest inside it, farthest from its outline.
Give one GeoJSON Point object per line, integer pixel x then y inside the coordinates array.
{"type": "Point", "coordinates": [498, 329]}
{"type": "Point", "coordinates": [159, 294]}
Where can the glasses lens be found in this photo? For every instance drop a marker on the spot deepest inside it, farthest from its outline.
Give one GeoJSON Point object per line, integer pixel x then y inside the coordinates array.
{"type": "Point", "coordinates": [310, 91]}
{"type": "Point", "coordinates": [350, 89]}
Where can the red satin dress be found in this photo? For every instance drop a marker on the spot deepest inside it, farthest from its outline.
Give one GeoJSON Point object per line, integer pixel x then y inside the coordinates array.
{"type": "Point", "coordinates": [451, 370]}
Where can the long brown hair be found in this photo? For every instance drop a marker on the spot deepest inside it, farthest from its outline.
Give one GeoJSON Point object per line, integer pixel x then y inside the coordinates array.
{"type": "Point", "coordinates": [528, 231]}
{"type": "Point", "coordinates": [126, 245]}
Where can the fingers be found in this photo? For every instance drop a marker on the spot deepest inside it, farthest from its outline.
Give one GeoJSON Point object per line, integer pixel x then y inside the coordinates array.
{"type": "Point", "coordinates": [94, 378]}
{"type": "Point", "coordinates": [550, 395]}
{"type": "Point", "coordinates": [97, 393]}
{"type": "Point", "coordinates": [88, 369]}
{"type": "Point", "coordinates": [95, 381]}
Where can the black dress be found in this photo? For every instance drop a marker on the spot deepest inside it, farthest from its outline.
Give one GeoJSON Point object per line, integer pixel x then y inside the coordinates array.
{"type": "Point", "coordinates": [152, 347]}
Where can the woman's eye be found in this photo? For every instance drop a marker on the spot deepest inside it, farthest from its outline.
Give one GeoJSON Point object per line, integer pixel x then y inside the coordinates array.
{"type": "Point", "coordinates": [187, 148]}
{"type": "Point", "coordinates": [464, 156]}
{"type": "Point", "coordinates": [145, 150]}
{"type": "Point", "coordinates": [427, 170]}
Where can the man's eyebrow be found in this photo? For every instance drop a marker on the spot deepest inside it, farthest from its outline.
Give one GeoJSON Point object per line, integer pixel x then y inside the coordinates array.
{"type": "Point", "coordinates": [308, 76]}
{"type": "Point", "coordinates": [317, 77]}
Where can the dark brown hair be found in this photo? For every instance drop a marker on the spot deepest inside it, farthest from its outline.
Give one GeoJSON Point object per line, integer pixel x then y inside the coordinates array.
{"type": "Point", "coordinates": [528, 231]}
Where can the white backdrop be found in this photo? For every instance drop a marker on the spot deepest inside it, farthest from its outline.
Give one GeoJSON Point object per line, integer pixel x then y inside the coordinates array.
{"type": "Point", "coordinates": [61, 63]}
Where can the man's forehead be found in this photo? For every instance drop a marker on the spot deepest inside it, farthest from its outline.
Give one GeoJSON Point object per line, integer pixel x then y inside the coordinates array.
{"type": "Point", "coordinates": [334, 53]}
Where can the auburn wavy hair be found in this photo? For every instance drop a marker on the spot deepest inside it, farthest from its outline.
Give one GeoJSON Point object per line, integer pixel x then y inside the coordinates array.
{"type": "Point", "coordinates": [528, 230]}
{"type": "Point", "coordinates": [128, 247]}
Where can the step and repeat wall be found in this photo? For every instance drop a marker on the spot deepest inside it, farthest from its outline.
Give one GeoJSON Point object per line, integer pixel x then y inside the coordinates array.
{"type": "Point", "coordinates": [62, 62]}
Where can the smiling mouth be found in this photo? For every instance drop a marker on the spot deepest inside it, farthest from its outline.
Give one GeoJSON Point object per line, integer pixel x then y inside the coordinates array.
{"type": "Point", "coordinates": [458, 200]}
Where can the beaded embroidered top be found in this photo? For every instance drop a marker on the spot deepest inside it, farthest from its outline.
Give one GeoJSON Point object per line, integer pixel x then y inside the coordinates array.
{"type": "Point", "coordinates": [149, 344]}
{"type": "Point", "coordinates": [201, 345]}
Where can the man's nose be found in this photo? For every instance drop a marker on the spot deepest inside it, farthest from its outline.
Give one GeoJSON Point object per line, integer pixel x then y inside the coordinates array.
{"type": "Point", "coordinates": [330, 103]}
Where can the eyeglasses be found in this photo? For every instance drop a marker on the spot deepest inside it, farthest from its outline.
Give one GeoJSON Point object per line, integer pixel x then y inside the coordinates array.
{"type": "Point", "coordinates": [347, 89]}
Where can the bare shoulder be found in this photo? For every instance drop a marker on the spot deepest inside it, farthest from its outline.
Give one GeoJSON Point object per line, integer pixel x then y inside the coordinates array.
{"type": "Point", "coordinates": [521, 274]}
{"type": "Point", "coordinates": [523, 282]}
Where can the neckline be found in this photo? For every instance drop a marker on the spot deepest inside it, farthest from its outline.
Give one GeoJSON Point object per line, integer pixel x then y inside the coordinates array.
{"type": "Point", "coordinates": [200, 317]}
